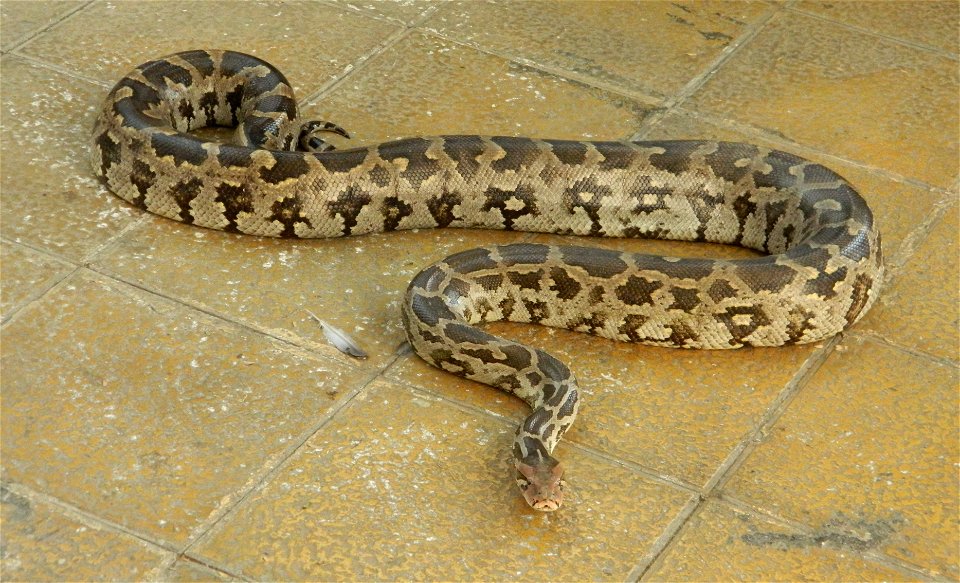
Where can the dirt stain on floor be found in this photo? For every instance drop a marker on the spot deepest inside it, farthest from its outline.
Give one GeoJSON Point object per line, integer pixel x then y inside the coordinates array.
{"type": "Point", "coordinates": [840, 532]}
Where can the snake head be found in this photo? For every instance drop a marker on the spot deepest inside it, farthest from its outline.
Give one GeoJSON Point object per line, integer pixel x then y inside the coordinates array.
{"type": "Point", "coordinates": [541, 482]}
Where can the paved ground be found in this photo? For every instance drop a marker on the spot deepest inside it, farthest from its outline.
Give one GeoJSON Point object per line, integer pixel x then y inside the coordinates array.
{"type": "Point", "coordinates": [170, 411]}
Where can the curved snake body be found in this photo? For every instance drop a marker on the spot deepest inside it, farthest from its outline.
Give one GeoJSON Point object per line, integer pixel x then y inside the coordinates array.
{"type": "Point", "coordinates": [821, 271]}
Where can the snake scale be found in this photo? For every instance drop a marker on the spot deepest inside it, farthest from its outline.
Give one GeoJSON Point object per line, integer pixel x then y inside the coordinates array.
{"type": "Point", "coordinates": [820, 271]}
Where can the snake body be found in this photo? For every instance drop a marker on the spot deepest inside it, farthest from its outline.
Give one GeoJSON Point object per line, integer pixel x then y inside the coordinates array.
{"type": "Point", "coordinates": [821, 271]}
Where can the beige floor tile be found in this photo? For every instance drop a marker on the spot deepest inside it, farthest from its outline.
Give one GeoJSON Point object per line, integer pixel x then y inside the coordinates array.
{"type": "Point", "coordinates": [847, 93]}
{"type": "Point", "coordinates": [722, 544]}
{"type": "Point", "coordinates": [355, 284]}
{"type": "Point", "coordinates": [920, 309]}
{"type": "Point", "coordinates": [106, 39]}
{"type": "Point", "coordinates": [933, 22]}
{"type": "Point", "coordinates": [401, 486]}
{"type": "Point", "coordinates": [20, 18]}
{"type": "Point", "coordinates": [161, 414]}
{"type": "Point", "coordinates": [41, 543]}
{"type": "Point", "coordinates": [188, 571]}
{"type": "Point", "coordinates": [872, 440]}
{"type": "Point", "coordinates": [405, 11]}
{"type": "Point", "coordinates": [648, 47]}
{"type": "Point", "coordinates": [25, 274]}
{"type": "Point", "coordinates": [885, 197]}
{"type": "Point", "coordinates": [428, 85]}
{"type": "Point", "coordinates": [50, 198]}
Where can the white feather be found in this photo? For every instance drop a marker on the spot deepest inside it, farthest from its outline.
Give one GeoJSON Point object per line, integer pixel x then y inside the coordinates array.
{"type": "Point", "coordinates": [338, 338]}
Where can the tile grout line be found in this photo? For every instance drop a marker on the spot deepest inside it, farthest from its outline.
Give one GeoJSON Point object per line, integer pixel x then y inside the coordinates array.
{"type": "Point", "coordinates": [75, 265]}
{"type": "Point", "coordinates": [511, 423]}
{"type": "Point", "coordinates": [88, 518]}
{"type": "Point", "coordinates": [293, 341]}
{"type": "Point", "coordinates": [702, 78]}
{"type": "Point", "coordinates": [39, 31]}
{"type": "Point", "coordinates": [418, 25]}
{"type": "Point", "coordinates": [350, 70]}
{"type": "Point", "coordinates": [872, 335]}
{"type": "Point", "coordinates": [915, 239]}
{"type": "Point", "coordinates": [933, 49]}
{"type": "Point", "coordinates": [364, 60]}
{"type": "Point", "coordinates": [742, 450]}
{"type": "Point", "coordinates": [371, 15]}
{"type": "Point", "coordinates": [37, 62]}
{"type": "Point", "coordinates": [662, 542]}
{"type": "Point", "coordinates": [113, 241]}
{"type": "Point", "coordinates": [49, 291]}
{"type": "Point", "coordinates": [771, 415]}
{"type": "Point", "coordinates": [203, 563]}
{"type": "Point", "coordinates": [647, 96]}
{"type": "Point", "coordinates": [256, 484]}
{"type": "Point", "coordinates": [807, 150]}
{"type": "Point", "coordinates": [307, 346]}
{"type": "Point", "coordinates": [39, 291]}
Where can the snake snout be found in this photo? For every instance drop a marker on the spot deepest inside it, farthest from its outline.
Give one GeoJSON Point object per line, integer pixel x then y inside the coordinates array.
{"type": "Point", "coordinates": [541, 483]}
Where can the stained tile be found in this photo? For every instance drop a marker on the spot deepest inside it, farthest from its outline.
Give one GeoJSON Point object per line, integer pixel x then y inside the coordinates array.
{"type": "Point", "coordinates": [399, 485]}
{"type": "Point", "coordinates": [872, 438]}
{"type": "Point", "coordinates": [355, 284]}
{"type": "Point", "coordinates": [108, 39]}
{"type": "Point", "coordinates": [25, 274]}
{"type": "Point", "coordinates": [720, 543]}
{"type": "Point", "coordinates": [50, 198]}
{"type": "Point", "coordinates": [649, 47]}
{"type": "Point", "coordinates": [845, 92]}
{"type": "Point", "coordinates": [429, 85]}
{"type": "Point", "coordinates": [886, 197]}
{"type": "Point", "coordinates": [932, 23]}
{"type": "Point", "coordinates": [41, 543]}
{"type": "Point", "coordinates": [145, 413]}
{"type": "Point", "coordinates": [919, 310]}
{"type": "Point", "coordinates": [20, 18]}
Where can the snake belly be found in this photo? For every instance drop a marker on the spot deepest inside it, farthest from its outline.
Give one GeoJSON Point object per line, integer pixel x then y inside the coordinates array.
{"type": "Point", "coordinates": [821, 268]}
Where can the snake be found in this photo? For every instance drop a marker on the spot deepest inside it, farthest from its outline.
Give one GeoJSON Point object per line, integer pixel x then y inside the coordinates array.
{"type": "Point", "coordinates": [818, 268]}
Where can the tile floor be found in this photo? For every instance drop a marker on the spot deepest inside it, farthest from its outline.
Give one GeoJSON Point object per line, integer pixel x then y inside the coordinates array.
{"type": "Point", "coordinates": [170, 412]}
